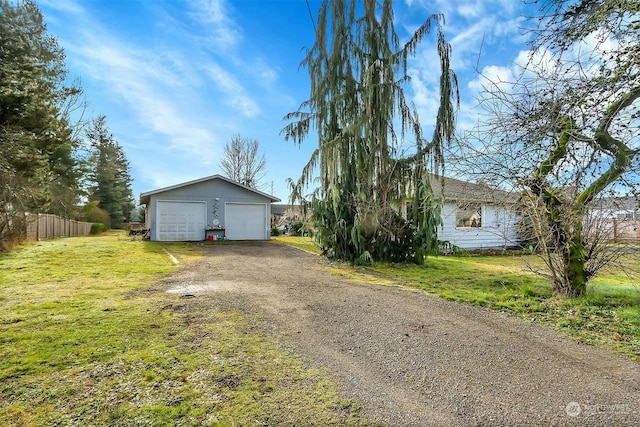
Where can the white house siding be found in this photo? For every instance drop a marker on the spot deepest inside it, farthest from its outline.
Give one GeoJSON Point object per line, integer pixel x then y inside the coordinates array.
{"type": "Point", "coordinates": [497, 231]}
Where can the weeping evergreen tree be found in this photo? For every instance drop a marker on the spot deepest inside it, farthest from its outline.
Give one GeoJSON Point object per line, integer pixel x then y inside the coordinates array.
{"type": "Point", "coordinates": [374, 201]}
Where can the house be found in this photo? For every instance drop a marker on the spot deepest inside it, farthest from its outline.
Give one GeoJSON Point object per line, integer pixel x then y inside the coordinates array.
{"type": "Point", "coordinates": [476, 216]}
{"type": "Point", "coordinates": [210, 208]}
{"type": "Point", "coordinates": [617, 219]}
{"type": "Point", "coordinates": [284, 215]}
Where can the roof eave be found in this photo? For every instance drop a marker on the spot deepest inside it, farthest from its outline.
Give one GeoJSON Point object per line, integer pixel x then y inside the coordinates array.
{"type": "Point", "coordinates": [145, 198]}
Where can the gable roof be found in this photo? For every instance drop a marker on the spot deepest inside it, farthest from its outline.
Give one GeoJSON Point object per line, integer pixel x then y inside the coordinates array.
{"type": "Point", "coordinates": [456, 190]}
{"type": "Point", "coordinates": [145, 198]}
{"type": "Point", "coordinates": [281, 208]}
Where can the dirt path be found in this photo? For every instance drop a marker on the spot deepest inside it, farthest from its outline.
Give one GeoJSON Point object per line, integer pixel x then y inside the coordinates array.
{"type": "Point", "coordinates": [412, 360]}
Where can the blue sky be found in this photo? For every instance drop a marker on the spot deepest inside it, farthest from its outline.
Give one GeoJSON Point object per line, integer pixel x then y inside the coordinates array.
{"type": "Point", "coordinates": [176, 79]}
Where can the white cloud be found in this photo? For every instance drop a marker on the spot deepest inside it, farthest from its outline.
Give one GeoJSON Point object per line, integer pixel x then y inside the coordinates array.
{"type": "Point", "coordinates": [151, 90]}
{"type": "Point", "coordinates": [157, 88]}
{"type": "Point", "coordinates": [235, 94]}
{"type": "Point", "coordinates": [470, 10]}
{"type": "Point", "coordinates": [222, 32]}
{"type": "Point", "coordinates": [165, 92]}
{"type": "Point", "coordinates": [162, 174]}
{"type": "Point", "coordinates": [425, 96]}
{"type": "Point", "coordinates": [480, 33]}
{"type": "Point", "coordinates": [264, 73]}
{"type": "Point", "coordinates": [491, 77]}
{"type": "Point", "coordinates": [467, 46]}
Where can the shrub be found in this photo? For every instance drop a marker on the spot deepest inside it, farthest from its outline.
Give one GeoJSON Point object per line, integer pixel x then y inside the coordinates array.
{"type": "Point", "coordinates": [97, 228]}
{"type": "Point", "coordinates": [296, 229]}
{"type": "Point", "coordinates": [92, 213]}
{"type": "Point", "coordinates": [12, 230]}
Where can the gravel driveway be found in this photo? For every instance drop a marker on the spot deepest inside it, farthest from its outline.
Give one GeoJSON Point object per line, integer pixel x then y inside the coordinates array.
{"type": "Point", "coordinates": [413, 360]}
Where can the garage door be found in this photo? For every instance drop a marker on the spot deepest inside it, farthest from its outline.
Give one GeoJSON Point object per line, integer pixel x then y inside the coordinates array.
{"type": "Point", "coordinates": [245, 221]}
{"type": "Point", "coordinates": [181, 221]}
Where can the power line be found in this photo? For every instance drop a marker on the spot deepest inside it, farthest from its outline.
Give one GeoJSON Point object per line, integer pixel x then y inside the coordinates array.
{"type": "Point", "coordinates": [311, 16]}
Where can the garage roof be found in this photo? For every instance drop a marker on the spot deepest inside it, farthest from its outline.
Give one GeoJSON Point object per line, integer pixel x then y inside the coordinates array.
{"type": "Point", "coordinates": [145, 198]}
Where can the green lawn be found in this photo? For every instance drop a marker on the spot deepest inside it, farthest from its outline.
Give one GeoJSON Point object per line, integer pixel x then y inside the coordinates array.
{"type": "Point", "coordinates": [304, 243]}
{"type": "Point", "coordinates": [85, 340]}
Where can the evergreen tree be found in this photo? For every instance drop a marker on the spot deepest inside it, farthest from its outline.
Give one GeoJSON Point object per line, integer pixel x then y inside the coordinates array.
{"type": "Point", "coordinates": [357, 69]}
{"type": "Point", "coordinates": [110, 177]}
{"type": "Point", "coordinates": [36, 144]}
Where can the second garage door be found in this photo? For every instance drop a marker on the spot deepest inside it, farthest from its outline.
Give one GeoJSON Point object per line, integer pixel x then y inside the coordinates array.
{"type": "Point", "coordinates": [246, 221]}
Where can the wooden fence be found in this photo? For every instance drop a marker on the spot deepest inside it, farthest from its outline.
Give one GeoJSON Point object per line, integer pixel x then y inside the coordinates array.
{"type": "Point", "coordinates": [626, 230]}
{"type": "Point", "coordinates": [48, 226]}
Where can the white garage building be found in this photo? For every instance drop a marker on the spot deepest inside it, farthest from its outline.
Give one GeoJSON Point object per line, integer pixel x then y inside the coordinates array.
{"type": "Point", "coordinates": [214, 207]}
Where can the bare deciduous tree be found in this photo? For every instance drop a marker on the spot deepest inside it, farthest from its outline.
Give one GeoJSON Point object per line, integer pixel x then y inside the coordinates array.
{"type": "Point", "coordinates": [242, 161]}
{"type": "Point", "coordinates": [566, 134]}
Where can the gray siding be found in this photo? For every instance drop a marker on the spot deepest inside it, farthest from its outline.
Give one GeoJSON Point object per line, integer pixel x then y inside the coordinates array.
{"type": "Point", "coordinates": [208, 192]}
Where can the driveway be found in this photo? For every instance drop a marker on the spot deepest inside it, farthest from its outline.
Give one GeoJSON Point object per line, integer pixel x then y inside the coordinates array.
{"type": "Point", "coordinates": [413, 360]}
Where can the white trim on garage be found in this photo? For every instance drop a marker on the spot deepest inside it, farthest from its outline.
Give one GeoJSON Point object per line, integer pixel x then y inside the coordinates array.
{"type": "Point", "coordinates": [179, 221]}
{"type": "Point", "coordinates": [246, 221]}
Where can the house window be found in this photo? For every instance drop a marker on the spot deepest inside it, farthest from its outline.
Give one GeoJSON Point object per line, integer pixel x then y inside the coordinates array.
{"type": "Point", "coordinates": [469, 215]}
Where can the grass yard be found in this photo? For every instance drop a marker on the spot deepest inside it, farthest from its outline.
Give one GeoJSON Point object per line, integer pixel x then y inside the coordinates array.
{"type": "Point", "coordinates": [85, 339]}
{"type": "Point", "coordinates": [304, 243]}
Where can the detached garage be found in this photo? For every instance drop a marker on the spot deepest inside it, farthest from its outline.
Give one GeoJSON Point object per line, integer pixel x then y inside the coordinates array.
{"type": "Point", "coordinates": [214, 207]}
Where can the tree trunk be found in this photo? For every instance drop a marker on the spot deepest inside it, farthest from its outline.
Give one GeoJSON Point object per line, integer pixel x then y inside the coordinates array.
{"type": "Point", "coordinates": [575, 277]}
{"type": "Point", "coordinates": [566, 232]}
